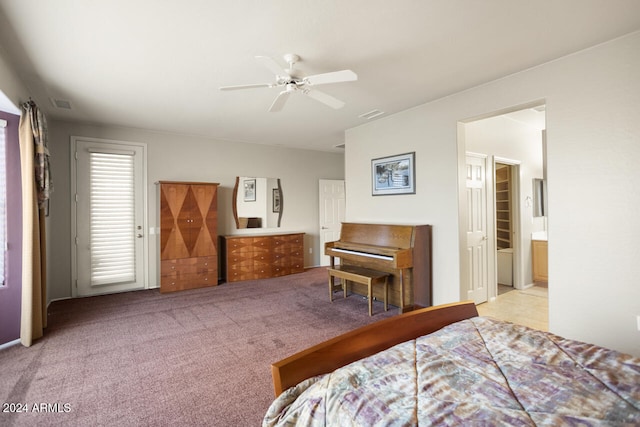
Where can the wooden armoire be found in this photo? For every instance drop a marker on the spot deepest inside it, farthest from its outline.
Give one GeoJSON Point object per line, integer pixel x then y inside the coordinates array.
{"type": "Point", "coordinates": [188, 235]}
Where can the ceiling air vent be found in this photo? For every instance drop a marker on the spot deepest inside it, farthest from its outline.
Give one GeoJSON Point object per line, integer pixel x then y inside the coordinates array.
{"type": "Point", "coordinates": [61, 103]}
{"type": "Point", "coordinates": [371, 114]}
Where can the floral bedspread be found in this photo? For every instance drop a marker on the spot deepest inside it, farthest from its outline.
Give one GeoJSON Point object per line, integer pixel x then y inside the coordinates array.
{"type": "Point", "coordinates": [479, 371]}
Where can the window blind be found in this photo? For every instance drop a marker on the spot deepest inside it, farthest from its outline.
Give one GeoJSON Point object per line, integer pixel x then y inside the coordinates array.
{"type": "Point", "coordinates": [3, 198]}
{"type": "Point", "coordinates": [112, 210]}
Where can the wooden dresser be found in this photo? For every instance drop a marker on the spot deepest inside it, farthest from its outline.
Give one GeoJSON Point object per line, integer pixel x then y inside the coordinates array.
{"type": "Point", "coordinates": [188, 235]}
{"type": "Point", "coordinates": [250, 257]}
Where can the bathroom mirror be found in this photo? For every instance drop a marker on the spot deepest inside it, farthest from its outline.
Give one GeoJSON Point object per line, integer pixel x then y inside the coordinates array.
{"type": "Point", "coordinates": [539, 197]}
{"type": "Point", "coordinates": [257, 202]}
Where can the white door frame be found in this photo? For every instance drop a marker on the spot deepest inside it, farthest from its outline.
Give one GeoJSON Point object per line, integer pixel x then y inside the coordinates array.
{"type": "Point", "coordinates": [518, 280]}
{"type": "Point", "coordinates": [73, 202]}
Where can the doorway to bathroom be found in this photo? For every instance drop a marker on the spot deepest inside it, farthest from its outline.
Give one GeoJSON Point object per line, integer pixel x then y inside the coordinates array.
{"type": "Point", "coordinates": [512, 142]}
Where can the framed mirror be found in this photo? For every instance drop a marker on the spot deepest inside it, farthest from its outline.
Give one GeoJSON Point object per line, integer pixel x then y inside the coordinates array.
{"type": "Point", "coordinates": [539, 197]}
{"type": "Point", "coordinates": [257, 202]}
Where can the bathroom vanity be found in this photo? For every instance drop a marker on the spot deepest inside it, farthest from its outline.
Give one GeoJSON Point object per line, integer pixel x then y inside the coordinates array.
{"type": "Point", "coordinates": [539, 250]}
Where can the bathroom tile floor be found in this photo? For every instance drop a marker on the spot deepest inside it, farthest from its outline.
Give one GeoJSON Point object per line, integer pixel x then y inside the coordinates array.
{"type": "Point", "coordinates": [527, 307]}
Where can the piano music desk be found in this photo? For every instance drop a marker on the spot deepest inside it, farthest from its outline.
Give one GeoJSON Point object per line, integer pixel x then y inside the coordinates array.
{"type": "Point", "coordinates": [362, 275]}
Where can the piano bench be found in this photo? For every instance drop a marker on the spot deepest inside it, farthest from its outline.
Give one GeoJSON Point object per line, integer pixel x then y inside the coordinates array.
{"type": "Point", "coordinates": [362, 275]}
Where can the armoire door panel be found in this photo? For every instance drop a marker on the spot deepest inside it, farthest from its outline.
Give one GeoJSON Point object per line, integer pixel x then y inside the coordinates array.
{"type": "Point", "coordinates": [189, 222]}
{"type": "Point", "coordinates": [205, 199]}
{"type": "Point", "coordinates": [172, 244]}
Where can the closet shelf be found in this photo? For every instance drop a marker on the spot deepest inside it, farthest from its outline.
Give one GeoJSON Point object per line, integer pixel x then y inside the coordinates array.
{"type": "Point", "coordinates": [503, 206]}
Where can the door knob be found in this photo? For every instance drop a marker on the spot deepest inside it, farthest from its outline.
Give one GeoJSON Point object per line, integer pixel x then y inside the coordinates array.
{"type": "Point", "coordinates": [139, 236]}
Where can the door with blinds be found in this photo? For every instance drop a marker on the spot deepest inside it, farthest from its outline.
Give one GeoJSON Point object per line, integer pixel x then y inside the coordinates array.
{"type": "Point", "coordinates": [110, 238]}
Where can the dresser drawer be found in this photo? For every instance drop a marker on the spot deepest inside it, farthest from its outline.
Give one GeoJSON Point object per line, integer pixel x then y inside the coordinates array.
{"type": "Point", "coordinates": [239, 245]}
{"type": "Point", "coordinates": [181, 281]}
{"type": "Point", "coordinates": [279, 270]}
{"type": "Point", "coordinates": [242, 270]}
{"type": "Point", "coordinates": [262, 268]}
{"type": "Point", "coordinates": [262, 244]}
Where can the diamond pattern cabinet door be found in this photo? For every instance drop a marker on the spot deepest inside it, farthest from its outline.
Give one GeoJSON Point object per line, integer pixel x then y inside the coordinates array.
{"type": "Point", "coordinates": [172, 244]}
{"type": "Point", "coordinates": [188, 235]}
{"type": "Point", "coordinates": [189, 222]}
{"type": "Point", "coordinates": [205, 215]}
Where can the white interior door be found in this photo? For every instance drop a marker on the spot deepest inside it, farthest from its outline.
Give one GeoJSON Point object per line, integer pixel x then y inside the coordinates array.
{"type": "Point", "coordinates": [477, 241]}
{"type": "Point", "coordinates": [332, 208]}
{"type": "Point", "coordinates": [109, 221]}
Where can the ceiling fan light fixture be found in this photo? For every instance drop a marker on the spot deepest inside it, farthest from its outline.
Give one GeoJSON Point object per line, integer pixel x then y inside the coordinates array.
{"type": "Point", "coordinates": [371, 114]}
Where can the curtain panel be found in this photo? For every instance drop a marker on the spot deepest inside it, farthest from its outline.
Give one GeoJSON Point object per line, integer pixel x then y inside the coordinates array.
{"type": "Point", "coordinates": [36, 189]}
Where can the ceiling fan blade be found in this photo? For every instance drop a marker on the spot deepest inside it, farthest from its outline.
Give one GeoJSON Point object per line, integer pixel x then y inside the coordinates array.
{"type": "Point", "coordinates": [246, 86]}
{"type": "Point", "coordinates": [272, 65]}
{"type": "Point", "coordinates": [279, 102]}
{"type": "Point", "coordinates": [325, 98]}
{"type": "Point", "coordinates": [333, 77]}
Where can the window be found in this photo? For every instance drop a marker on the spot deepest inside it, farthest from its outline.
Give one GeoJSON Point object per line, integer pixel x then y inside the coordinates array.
{"type": "Point", "coordinates": [3, 199]}
{"type": "Point", "coordinates": [112, 206]}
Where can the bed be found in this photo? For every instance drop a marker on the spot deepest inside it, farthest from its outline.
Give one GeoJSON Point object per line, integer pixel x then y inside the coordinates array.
{"type": "Point", "coordinates": [446, 366]}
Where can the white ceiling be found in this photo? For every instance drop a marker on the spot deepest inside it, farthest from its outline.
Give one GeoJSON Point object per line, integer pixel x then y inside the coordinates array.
{"type": "Point", "coordinates": [158, 64]}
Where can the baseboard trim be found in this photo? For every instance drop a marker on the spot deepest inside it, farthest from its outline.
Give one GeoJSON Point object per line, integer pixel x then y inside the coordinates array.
{"type": "Point", "coordinates": [58, 299]}
{"type": "Point", "coordinates": [9, 344]}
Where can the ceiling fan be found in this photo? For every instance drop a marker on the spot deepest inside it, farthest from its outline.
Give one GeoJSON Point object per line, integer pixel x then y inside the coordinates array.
{"type": "Point", "coordinates": [294, 81]}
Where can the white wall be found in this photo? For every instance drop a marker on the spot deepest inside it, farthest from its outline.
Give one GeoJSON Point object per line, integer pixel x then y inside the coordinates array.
{"type": "Point", "coordinates": [505, 138]}
{"type": "Point", "coordinates": [189, 158]}
{"type": "Point", "coordinates": [12, 91]}
{"type": "Point", "coordinates": [593, 148]}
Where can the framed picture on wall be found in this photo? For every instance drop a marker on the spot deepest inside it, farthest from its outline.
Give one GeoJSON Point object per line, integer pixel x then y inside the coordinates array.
{"type": "Point", "coordinates": [276, 200]}
{"type": "Point", "coordinates": [393, 175]}
{"type": "Point", "coordinates": [249, 190]}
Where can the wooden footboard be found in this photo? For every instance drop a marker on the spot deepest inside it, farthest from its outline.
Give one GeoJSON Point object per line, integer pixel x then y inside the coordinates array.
{"type": "Point", "coordinates": [365, 341]}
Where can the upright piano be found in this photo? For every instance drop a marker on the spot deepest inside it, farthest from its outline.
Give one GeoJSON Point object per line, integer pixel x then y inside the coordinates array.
{"type": "Point", "coordinates": [403, 251]}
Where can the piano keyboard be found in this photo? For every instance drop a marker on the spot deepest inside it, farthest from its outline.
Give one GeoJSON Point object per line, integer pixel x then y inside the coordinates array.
{"type": "Point", "coordinates": [365, 254]}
